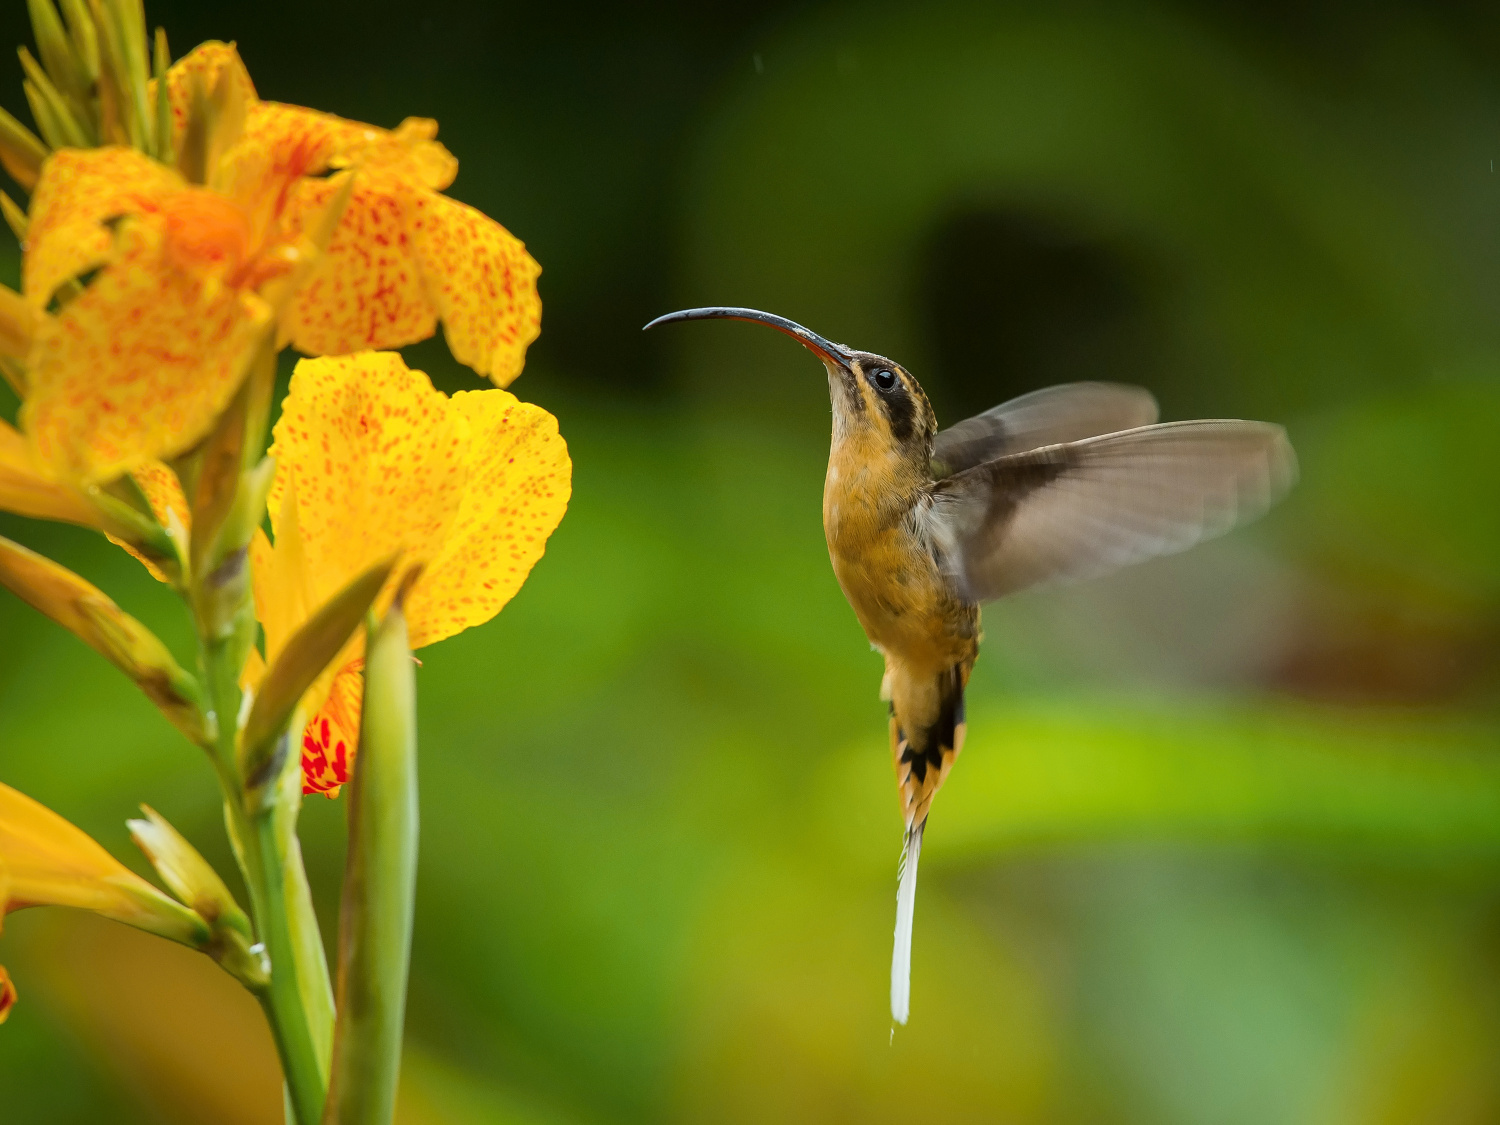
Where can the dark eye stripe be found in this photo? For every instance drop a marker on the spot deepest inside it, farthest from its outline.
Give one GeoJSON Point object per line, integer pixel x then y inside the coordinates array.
{"type": "Point", "coordinates": [900, 411]}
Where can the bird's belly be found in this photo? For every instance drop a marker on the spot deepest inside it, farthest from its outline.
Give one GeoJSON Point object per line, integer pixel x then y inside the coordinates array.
{"type": "Point", "coordinates": [903, 601]}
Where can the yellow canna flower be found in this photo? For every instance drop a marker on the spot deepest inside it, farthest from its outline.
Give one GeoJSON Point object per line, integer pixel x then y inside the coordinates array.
{"type": "Point", "coordinates": [189, 277]}
{"type": "Point", "coordinates": [404, 256]}
{"type": "Point", "coordinates": [45, 861]}
{"type": "Point", "coordinates": [139, 364]}
{"type": "Point", "coordinates": [371, 460]}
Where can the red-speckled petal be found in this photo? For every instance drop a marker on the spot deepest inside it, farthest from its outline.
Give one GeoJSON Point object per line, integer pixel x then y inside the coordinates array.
{"type": "Point", "coordinates": [377, 460]}
{"type": "Point", "coordinates": [402, 256]}
{"type": "Point", "coordinates": [79, 190]}
{"type": "Point", "coordinates": [162, 490]}
{"type": "Point", "coordinates": [519, 482]}
{"type": "Point", "coordinates": [137, 367]}
{"type": "Point", "coordinates": [410, 151]}
{"type": "Point", "coordinates": [330, 741]}
{"type": "Point", "coordinates": [483, 282]}
{"type": "Point", "coordinates": [208, 61]}
{"type": "Point", "coordinates": [367, 291]}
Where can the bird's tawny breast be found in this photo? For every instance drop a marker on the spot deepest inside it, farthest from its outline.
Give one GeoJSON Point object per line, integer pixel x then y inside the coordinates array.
{"type": "Point", "coordinates": [903, 600]}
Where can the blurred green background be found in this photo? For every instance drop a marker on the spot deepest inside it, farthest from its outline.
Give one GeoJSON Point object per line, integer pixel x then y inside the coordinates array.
{"type": "Point", "coordinates": [1224, 846]}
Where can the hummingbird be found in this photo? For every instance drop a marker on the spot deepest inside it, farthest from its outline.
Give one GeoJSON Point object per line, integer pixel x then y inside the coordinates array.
{"type": "Point", "coordinates": [925, 525]}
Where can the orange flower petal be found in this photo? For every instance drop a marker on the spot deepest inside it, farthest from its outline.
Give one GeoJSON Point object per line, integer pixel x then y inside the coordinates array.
{"type": "Point", "coordinates": [367, 291]}
{"type": "Point", "coordinates": [263, 171]}
{"type": "Point", "coordinates": [208, 61]}
{"type": "Point", "coordinates": [159, 484]}
{"type": "Point", "coordinates": [519, 482]}
{"type": "Point", "coordinates": [415, 153]}
{"type": "Point", "coordinates": [369, 462]}
{"type": "Point", "coordinates": [409, 150]}
{"type": "Point", "coordinates": [330, 741]}
{"type": "Point", "coordinates": [483, 283]}
{"type": "Point", "coordinates": [27, 489]}
{"type": "Point", "coordinates": [139, 365]}
{"type": "Point", "coordinates": [207, 233]}
{"type": "Point", "coordinates": [163, 491]}
{"type": "Point", "coordinates": [377, 463]}
{"type": "Point", "coordinates": [404, 256]}
{"type": "Point", "coordinates": [80, 189]}
{"type": "Point", "coordinates": [48, 861]}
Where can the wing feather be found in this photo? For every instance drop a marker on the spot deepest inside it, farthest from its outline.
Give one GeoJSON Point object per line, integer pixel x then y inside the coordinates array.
{"type": "Point", "coordinates": [1046, 417]}
{"type": "Point", "coordinates": [1077, 510]}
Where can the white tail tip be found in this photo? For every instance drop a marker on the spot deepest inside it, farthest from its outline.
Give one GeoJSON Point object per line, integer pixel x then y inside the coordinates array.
{"type": "Point", "coordinates": [906, 904]}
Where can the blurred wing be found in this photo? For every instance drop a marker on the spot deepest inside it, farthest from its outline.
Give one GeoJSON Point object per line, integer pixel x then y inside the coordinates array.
{"type": "Point", "coordinates": [1077, 510]}
{"type": "Point", "coordinates": [1046, 417]}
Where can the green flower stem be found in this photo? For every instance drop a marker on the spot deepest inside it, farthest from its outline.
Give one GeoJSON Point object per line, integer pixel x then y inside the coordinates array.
{"type": "Point", "coordinates": [380, 876]}
{"type": "Point", "coordinates": [299, 1000]}
{"type": "Point", "coordinates": [282, 925]}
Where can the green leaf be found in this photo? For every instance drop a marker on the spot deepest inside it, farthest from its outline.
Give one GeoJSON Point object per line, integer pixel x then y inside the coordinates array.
{"type": "Point", "coordinates": [15, 217]}
{"type": "Point", "coordinates": [85, 38]}
{"type": "Point", "coordinates": [229, 477]}
{"type": "Point", "coordinates": [123, 39]}
{"type": "Point", "coordinates": [21, 151]}
{"type": "Point", "coordinates": [63, 114]}
{"type": "Point", "coordinates": [161, 63]}
{"type": "Point", "coordinates": [380, 874]}
{"type": "Point", "coordinates": [122, 90]}
{"type": "Point", "coordinates": [56, 50]}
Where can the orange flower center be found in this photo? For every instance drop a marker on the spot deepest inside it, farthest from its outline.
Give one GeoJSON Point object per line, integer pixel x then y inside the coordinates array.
{"type": "Point", "coordinates": [206, 232]}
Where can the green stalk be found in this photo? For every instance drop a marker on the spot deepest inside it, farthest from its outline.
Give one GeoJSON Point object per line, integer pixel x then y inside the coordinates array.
{"type": "Point", "coordinates": [306, 1074]}
{"type": "Point", "coordinates": [229, 482]}
{"type": "Point", "coordinates": [380, 876]}
{"type": "Point", "coordinates": [298, 1002]}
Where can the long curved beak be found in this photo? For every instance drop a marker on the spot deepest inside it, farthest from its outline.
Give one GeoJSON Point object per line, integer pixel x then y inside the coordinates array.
{"type": "Point", "coordinates": [826, 350]}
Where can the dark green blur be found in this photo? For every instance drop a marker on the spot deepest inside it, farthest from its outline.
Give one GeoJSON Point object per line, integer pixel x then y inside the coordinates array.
{"type": "Point", "coordinates": [1224, 844]}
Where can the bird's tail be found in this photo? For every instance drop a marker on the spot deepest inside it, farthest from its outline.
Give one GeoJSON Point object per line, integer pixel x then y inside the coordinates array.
{"type": "Point", "coordinates": [927, 733]}
{"type": "Point", "coordinates": [906, 904]}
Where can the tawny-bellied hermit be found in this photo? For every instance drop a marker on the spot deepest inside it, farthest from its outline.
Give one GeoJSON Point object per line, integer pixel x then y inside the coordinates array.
{"type": "Point", "coordinates": [924, 525]}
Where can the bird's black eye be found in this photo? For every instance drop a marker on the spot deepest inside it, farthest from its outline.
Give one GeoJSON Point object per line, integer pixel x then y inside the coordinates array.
{"type": "Point", "coordinates": [884, 379]}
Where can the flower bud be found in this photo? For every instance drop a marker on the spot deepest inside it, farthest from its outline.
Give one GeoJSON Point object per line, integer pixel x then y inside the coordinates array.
{"type": "Point", "coordinates": [86, 611]}
{"type": "Point", "coordinates": [197, 885]}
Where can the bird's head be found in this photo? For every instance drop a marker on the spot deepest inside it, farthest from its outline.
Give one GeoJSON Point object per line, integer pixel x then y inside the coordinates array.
{"type": "Point", "coordinates": [875, 400]}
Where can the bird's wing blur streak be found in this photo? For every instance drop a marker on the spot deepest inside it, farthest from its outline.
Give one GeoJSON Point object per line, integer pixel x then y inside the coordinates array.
{"type": "Point", "coordinates": [1078, 510]}
{"type": "Point", "coordinates": [1049, 416]}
